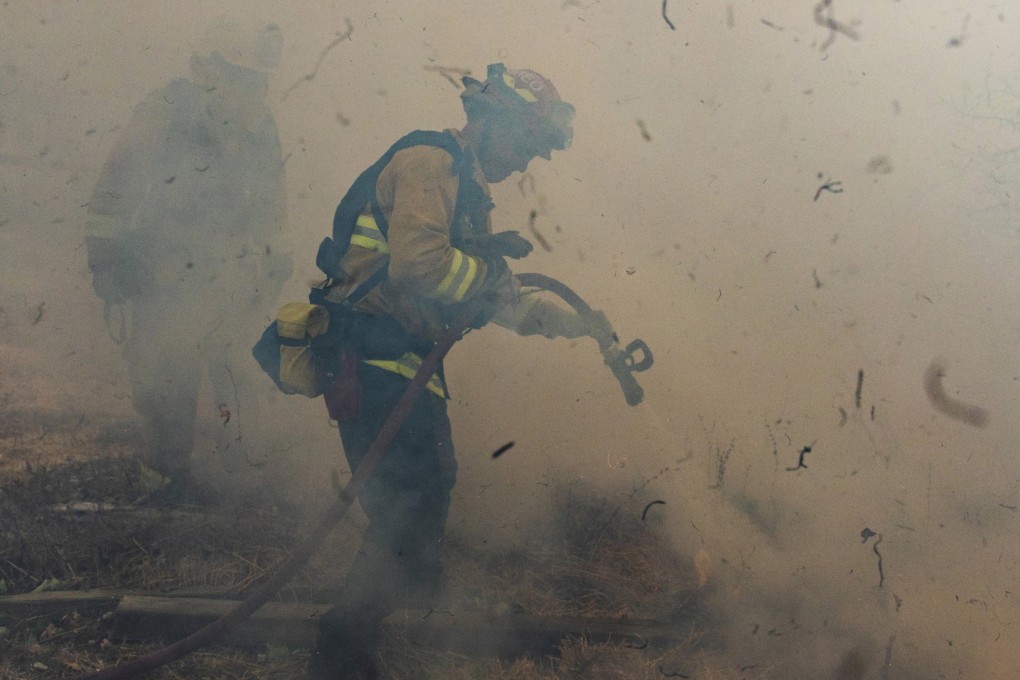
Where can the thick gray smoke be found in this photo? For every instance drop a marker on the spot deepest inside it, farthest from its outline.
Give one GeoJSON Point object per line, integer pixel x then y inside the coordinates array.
{"type": "Point", "coordinates": [807, 211]}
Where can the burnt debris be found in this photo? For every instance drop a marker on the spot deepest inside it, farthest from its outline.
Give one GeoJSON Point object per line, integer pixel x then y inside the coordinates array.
{"type": "Point", "coordinates": [974, 416]}
{"type": "Point", "coordinates": [860, 386]}
{"type": "Point", "coordinates": [800, 460]}
{"type": "Point", "coordinates": [644, 513]}
{"type": "Point", "coordinates": [666, 18]}
{"type": "Point", "coordinates": [503, 449]}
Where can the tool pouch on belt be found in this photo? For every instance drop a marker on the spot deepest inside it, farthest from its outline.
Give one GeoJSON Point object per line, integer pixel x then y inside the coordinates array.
{"type": "Point", "coordinates": [287, 353]}
{"type": "Point", "coordinates": [365, 337]}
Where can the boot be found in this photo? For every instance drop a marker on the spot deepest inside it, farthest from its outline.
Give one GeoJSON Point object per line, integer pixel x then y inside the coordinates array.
{"type": "Point", "coordinates": [345, 647]}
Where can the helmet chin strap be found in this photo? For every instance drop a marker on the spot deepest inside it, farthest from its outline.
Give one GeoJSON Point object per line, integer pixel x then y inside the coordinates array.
{"type": "Point", "coordinates": [486, 139]}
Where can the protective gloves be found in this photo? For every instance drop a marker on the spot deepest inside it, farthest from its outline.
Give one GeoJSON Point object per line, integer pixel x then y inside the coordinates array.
{"type": "Point", "coordinates": [597, 326]}
{"type": "Point", "coordinates": [492, 246]}
{"type": "Point", "coordinates": [105, 257]}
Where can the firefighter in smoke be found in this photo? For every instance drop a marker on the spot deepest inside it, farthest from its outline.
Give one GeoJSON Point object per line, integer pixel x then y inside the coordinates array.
{"type": "Point", "coordinates": [412, 243]}
{"type": "Point", "coordinates": [185, 242]}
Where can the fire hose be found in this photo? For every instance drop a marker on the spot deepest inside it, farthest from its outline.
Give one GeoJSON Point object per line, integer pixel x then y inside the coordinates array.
{"type": "Point", "coordinates": [621, 361]}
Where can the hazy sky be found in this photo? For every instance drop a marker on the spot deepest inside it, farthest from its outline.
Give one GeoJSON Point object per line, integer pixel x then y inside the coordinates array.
{"type": "Point", "coordinates": [690, 210]}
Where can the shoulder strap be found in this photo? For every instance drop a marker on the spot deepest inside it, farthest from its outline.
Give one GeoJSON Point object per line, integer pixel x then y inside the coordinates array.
{"type": "Point", "coordinates": [362, 193]}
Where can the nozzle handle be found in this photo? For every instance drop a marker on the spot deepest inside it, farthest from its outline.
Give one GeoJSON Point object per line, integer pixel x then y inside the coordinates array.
{"type": "Point", "coordinates": [624, 365]}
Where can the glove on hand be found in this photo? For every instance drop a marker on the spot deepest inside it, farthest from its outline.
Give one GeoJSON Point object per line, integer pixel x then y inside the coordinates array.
{"type": "Point", "coordinates": [106, 286]}
{"type": "Point", "coordinates": [511, 244]}
{"type": "Point", "coordinates": [598, 327]}
{"type": "Point", "coordinates": [504, 244]}
{"type": "Point", "coordinates": [570, 326]}
{"type": "Point", "coordinates": [498, 290]}
{"type": "Point", "coordinates": [106, 262]}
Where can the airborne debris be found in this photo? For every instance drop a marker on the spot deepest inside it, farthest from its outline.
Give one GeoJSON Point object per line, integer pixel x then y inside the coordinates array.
{"type": "Point", "coordinates": [800, 460]}
{"type": "Point", "coordinates": [644, 131]}
{"type": "Point", "coordinates": [340, 37]}
{"type": "Point", "coordinates": [532, 216]}
{"type": "Point", "coordinates": [880, 165]}
{"type": "Point", "coordinates": [823, 17]}
{"type": "Point", "coordinates": [830, 186]}
{"type": "Point", "coordinates": [503, 449]}
{"type": "Point", "coordinates": [666, 18]}
{"type": "Point", "coordinates": [860, 385]}
{"type": "Point", "coordinates": [867, 533]}
{"type": "Point", "coordinates": [957, 40]}
{"type": "Point", "coordinates": [445, 71]}
{"type": "Point", "coordinates": [881, 573]}
{"type": "Point", "coordinates": [526, 179]}
{"type": "Point", "coordinates": [722, 457]}
{"type": "Point", "coordinates": [647, 507]}
{"type": "Point", "coordinates": [971, 415]}
{"type": "Point", "coordinates": [818, 281]}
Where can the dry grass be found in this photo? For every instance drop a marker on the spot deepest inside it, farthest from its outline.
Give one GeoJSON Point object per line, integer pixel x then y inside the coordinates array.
{"type": "Point", "coordinates": [597, 564]}
{"type": "Point", "coordinates": [147, 548]}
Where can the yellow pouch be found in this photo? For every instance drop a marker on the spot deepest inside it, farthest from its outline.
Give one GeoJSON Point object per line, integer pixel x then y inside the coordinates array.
{"type": "Point", "coordinates": [285, 351]}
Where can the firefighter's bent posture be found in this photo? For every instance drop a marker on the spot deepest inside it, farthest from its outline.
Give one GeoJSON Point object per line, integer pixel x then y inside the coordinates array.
{"type": "Point", "coordinates": [420, 246]}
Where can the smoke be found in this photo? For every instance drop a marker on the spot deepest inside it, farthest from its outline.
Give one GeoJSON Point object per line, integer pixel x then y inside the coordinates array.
{"type": "Point", "coordinates": [722, 201]}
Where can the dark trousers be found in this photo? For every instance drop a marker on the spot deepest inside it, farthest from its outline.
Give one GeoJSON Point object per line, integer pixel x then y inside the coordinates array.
{"type": "Point", "coordinates": [406, 499]}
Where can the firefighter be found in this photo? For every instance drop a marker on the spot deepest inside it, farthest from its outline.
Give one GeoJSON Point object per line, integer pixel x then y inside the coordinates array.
{"type": "Point", "coordinates": [185, 242]}
{"type": "Point", "coordinates": [412, 244]}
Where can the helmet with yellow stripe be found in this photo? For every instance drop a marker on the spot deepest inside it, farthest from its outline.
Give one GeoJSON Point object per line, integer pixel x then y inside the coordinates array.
{"type": "Point", "coordinates": [528, 98]}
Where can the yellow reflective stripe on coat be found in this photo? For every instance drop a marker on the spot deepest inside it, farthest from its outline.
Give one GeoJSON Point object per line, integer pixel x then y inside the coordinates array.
{"type": "Point", "coordinates": [367, 235]}
{"type": "Point", "coordinates": [408, 366]}
{"type": "Point", "coordinates": [462, 273]}
{"type": "Point", "coordinates": [526, 301]}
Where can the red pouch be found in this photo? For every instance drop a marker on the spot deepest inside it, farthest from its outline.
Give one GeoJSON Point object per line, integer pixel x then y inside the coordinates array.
{"type": "Point", "coordinates": [343, 395]}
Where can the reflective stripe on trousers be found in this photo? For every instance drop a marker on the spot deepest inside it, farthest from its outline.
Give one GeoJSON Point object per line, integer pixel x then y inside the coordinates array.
{"type": "Point", "coordinates": [407, 366]}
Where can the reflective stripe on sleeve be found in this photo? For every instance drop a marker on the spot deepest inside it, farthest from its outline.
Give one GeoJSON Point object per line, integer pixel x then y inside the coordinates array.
{"type": "Point", "coordinates": [462, 273]}
{"type": "Point", "coordinates": [407, 366]}
{"type": "Point", "coordinates": [367, 235]}
{"type": "Point", "coordinates": [527, 300]}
